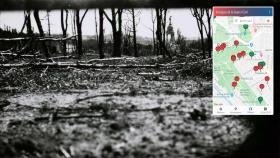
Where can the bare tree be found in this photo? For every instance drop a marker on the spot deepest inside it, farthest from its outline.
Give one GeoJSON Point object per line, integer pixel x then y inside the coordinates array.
{"type": "Point", "coordinates": [73, 23]}
{"type": "Point", "coordinates": [134, 33]}
{"type": "Point", "coordinates": [74, 32]}
{"type": "Point", "coordinates": [130, 33]}
{"type": "Point", "coordinates": [198, 14]}
{"type": "Point", "coordinates": [41, 32]}
{"type": "Point", "coordinates": [79, 31]}
{"type": "Point", "coordinates": [38, 22]}
{"type": "Point", "coordinates": [117, 32]}
{"type": "Point", "coordinates": [164, 25]}
{"type": "Point", "coordinates": [27, 23]}
{"type": "Point", "coordinates": [127, 38]}
{"type": "Point", "coordinates": [208, 30]}
{"type": "Point", "coordinates": [101, 34]}
{"type": "Point", "coordinates": [24, 23]}
{"type": "Point", "coordinates": [159, 33]}
{"type": "Point", "coordinates": [49, 24]}
{"type": "Point", "coordinates": [153, 30]}
{"type": "Point", "coordinates": [64, 27]}
{"type": "Point", "coordinates": [96, 25]}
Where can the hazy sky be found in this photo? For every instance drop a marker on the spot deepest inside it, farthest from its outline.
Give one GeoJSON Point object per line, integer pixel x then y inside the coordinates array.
{"type": "Point", "coordinates": [181, 19]}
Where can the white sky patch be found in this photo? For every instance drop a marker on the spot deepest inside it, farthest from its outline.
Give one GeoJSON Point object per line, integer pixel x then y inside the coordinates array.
{"type": "Point", "coordinates": [182, 19]}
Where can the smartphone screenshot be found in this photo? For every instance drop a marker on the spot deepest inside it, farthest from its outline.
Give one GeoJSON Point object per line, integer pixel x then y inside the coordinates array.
{"type": "Point", "coordinates": [243, 60]}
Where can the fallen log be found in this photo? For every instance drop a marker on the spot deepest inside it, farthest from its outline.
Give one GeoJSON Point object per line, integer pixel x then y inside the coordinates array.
{"type": "Point", "coordinates": [96, 66]}
{"type": "Point", "coordinates": [38, 38]}
{"type": "Point", "coordinates": [111, 59]}
{"type": "Point", "coordinates": [80, 65]}
{"type": "Point", "coordinates": [7, 51]}
{"type": "Point", "coordinates": [45, 118]}
{"type": "Point", "coordinates": [150, 73]}
{"type": "Point", "coordinates": [56, 39]}
{"type": "Point", "coordinates": [102, 95]}
{"type": "Point", "coordinates": [14, 55]}
{"type": "Point", "coordinates": [58, 57]}
{"type": "Point", "coordinates": [132, 93]}
{"type": "Point", "coordinates": [15, 39]}
{"type": "Point", "coordinates": [9, 89]}
{"type": "Point", "coordinates": [64, 152]}
{"type": "Point", "coordinates": [62, 57]}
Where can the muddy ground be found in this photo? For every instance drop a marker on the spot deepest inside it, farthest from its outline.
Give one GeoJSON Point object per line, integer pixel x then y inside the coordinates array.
{"type": "Point", "coordinates": [114, 112]}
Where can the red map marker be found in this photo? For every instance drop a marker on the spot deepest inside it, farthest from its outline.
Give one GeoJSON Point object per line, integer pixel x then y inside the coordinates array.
{"type": "Point", "coordinates": [261, 86]}
{"type": "Point", "coordinates": [223, 46]}
{"type": "Point", "coordinates": [236, 43]}
{"type": "Point", "coordinates": [260, 67]}
{"type": "Point", "coordinates": [266, 78]}
{"type": "Point", "coordinates": [234, 84]}
{"type": "Point", "coordinates": [239, 55]}
{"type": "Point", "coordinates": [236, 78]}
{"type": "Point", "coordinates": [255, 68]}
{"type": "Point", "coordinates": [243, 53]}
{"type": "Point", "coordinates": [217, 48]}
{"type": "Point", "coordinates": [233, 58]}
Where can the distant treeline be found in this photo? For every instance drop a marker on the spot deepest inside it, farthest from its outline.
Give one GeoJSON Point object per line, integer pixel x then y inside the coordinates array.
{"type": "Point", "coordinates": [124, 35]}
{"type": "Point", "coordinates": [10, 33]}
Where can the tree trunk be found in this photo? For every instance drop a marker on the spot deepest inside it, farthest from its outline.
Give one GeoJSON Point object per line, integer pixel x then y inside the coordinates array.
{"type": "Point", "coordinates": [134, 34]}
{"type": "Point", "coordinates": [28, 24]}
{"type": "Point", "coordinates": [154, 41]}
{"type": "Point", "coordinates": [119, 32]}
{"type": "Point", "coordinates": [96, 26]}
{"type": "Point", "coordinates": [209, 39]}
{"type": "Point", "coordinates": [38, 22]}
{"type": "Point", "coordinates": [115, 36]}
{"type": "Point", "coordinates": [164, 25]}
{"type": "Point", "coordinates": [159, 32]}
{"type": "Point", "coordinates": [64, 30]}
{"type": "Point", "coordinates": [117, 44]}
{"type": "Point", "coordinates": [24, 24]}
{"type": "Point", "coordinates": [49, 24]}
{"type": "Point", "coordinates": [200, 24]}
{"type": "Point", "coordinates": [209, 15]}
{"type": "Point", "coordinates": [202, 40]}
{"type": "Point", "coordinates": [164, 34]}
{"type": "Point", "coordinates": [79, 32]}
{"type": "Point", "coordinates": [101, 34]}
{"type": "Point", "coordinates": [161, 46]}
{"type": "Point", "coordinates": [74, 30]}
{"type": "Point", "coordinates": [42, 34]}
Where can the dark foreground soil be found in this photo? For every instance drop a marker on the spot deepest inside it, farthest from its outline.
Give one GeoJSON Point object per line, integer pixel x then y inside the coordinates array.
{"type": "Point", "coordinates": [115, 113]}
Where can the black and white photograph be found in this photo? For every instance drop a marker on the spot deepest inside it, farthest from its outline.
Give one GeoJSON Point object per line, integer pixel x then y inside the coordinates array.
{"type": "Point", "coordinates": [116, 82]}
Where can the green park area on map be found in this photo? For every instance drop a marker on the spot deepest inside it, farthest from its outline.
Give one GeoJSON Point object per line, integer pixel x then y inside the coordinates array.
{"type": "Point", "coordinates": [228, 52]}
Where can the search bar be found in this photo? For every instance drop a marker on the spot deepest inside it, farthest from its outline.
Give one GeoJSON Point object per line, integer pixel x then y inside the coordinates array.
{"type": "Point", "coordinates": [242, 20]}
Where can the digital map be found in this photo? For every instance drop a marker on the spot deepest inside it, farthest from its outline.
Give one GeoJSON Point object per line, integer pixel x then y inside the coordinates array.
{"type": "Point", "coordinates": [243, 61]}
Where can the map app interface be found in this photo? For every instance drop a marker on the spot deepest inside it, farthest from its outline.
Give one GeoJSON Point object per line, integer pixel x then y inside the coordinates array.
{"type": "Point", "coordinates": [243, 60]}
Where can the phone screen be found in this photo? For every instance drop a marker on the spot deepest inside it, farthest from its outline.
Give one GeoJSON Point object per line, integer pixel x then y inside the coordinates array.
{"type": "Point", "coordinates": [243, 60]}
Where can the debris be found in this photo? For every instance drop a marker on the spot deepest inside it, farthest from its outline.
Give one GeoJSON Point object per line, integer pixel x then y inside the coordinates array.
{"type": "Point", "coordinates": [64, 152]}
